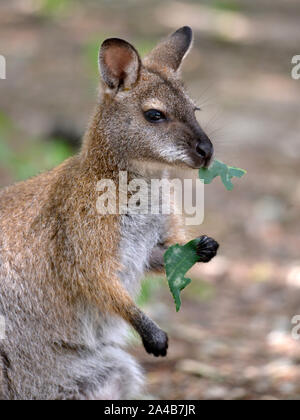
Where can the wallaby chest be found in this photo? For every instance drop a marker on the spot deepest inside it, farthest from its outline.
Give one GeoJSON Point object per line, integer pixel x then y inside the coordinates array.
{"type": "Point", "coordinates": [139, 235]}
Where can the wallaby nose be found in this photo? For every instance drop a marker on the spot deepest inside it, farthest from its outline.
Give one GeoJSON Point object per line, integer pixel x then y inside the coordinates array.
{"type": "Point", "coordinates": [205, 149]}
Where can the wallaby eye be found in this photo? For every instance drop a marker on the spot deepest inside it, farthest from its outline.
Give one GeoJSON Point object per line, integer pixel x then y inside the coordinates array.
{"type": "Point", "coordinates": [154, 116]}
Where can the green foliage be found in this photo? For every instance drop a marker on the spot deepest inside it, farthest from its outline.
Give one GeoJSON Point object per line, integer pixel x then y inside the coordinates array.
{"type": "Point", "coordinates": [149, 286]}
{"type": "Point", "coordinates": [5, 124]}
{"type": "Point", "coordinates": [228, 5]}
{"type": "Point", "coordinates": [32, 156]}
{"type": "Point", "coordinates": [92, 51]}
{"type": "Point", "coordinates": [56, 7]}
{"type": "Point", "coordinates": [5, 153]}
{"type": "Point", "coordinates": [178, 260]}
{"type": "Point", "coordinates": [226, 173]}
{"type": "Point", "coordinates": [200, 290]}
{"type": "Point", "coordinates": [6, 129]}
{"type": "Point", "coordinates": [40, 156]}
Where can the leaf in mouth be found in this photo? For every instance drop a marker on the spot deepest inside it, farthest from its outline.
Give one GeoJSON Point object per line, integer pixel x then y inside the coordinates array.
{"type": "Point", "coordinates": [226, 173]}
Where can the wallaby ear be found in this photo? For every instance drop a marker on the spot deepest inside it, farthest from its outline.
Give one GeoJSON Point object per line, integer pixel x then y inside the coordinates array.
{"type": "Point", "coordinates": [119, 63]}
{"type": "Point", "coordinates": [171, 51]}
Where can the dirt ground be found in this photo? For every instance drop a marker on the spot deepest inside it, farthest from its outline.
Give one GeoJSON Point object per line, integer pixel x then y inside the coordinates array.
{"type": "Point", "coordinates": [232, 338]}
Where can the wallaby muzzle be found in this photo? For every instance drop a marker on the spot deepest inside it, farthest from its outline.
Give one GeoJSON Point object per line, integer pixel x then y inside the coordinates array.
{"type": "Point", "coordinates": [205, 149]}
{"type": "Point", "coordinates": [201, 151]}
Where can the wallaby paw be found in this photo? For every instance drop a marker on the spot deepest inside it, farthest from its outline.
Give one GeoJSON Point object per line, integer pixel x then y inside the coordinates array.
{"type": "Point", "coordinates": [207, 248]}
{"type": "Point", "coordinates": [157, 344]}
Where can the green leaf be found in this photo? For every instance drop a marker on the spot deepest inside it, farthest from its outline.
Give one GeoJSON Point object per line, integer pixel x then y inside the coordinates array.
{"type": "Point", "coordinates": [226, 173]}
{"type": "Point", "coordinates": [178, 260]}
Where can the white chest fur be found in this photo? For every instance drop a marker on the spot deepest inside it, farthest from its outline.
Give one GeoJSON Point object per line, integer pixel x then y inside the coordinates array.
{"type": "Point", "coordinates": [139, 235]}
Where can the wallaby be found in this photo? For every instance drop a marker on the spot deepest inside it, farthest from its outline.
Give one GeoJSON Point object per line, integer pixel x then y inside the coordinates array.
{"type": "Point", "coordinates": [68, 275]}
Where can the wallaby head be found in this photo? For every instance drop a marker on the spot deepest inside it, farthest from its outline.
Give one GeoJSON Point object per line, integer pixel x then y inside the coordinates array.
{"type": "Point", "coordinates": [145, 113]}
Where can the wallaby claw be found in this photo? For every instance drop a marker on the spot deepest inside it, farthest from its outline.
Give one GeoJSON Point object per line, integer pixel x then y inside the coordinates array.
{"type": "Point", "coordinates": [157, 344]}
{"type": "Point", "coordinates": [207, 248]}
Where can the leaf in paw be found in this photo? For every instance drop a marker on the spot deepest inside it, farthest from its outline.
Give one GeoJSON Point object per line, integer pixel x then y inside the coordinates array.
{"type": "Point", "coordinates": [180, 258]}
{"type": "Point", "coordinates": [206, 248]}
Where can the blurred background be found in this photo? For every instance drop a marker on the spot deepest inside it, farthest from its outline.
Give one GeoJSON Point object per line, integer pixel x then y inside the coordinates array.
{"type": "Point", "coordinates": [232, 337]}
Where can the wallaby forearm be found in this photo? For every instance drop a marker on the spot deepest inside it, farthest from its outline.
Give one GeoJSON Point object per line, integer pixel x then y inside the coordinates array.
{"type": "Point", "coordinates": [174, 233]}
{"type": "Point", "coordinates": [154, 339]}
{"type": "Point", "coordinates": [117, 301]}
